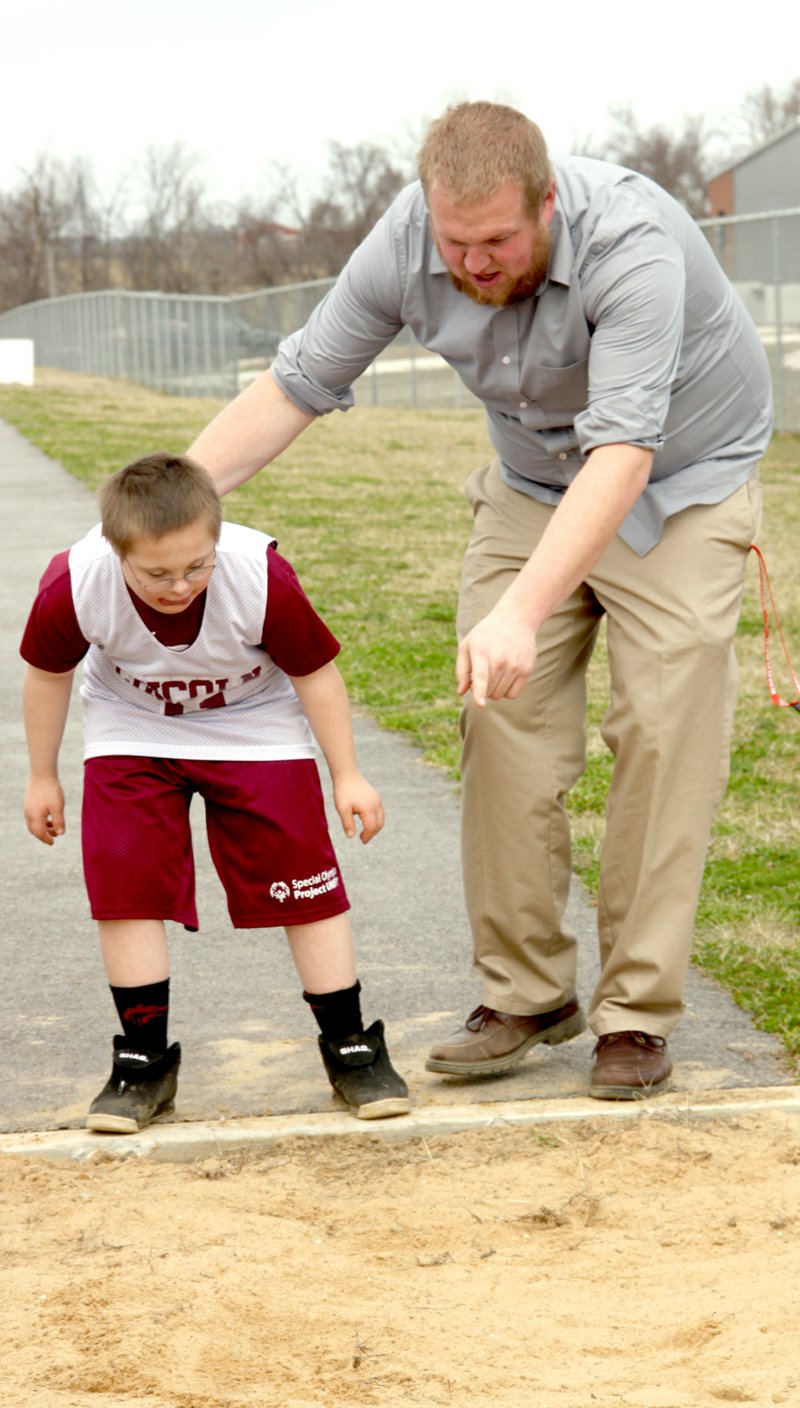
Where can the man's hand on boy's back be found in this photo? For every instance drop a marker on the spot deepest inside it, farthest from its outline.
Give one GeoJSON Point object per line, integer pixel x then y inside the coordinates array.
{"type": "Point", "coordinates": [44, 809]}
{"type": "Point", "coordinates": [354, 797]}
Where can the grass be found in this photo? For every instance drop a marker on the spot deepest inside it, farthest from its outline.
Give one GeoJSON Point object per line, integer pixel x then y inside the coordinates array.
{"type": "Point", "coordinates": [369, 508]}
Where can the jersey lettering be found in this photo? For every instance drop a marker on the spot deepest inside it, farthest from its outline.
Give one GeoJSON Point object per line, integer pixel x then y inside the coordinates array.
{"type": "Point", "coordinates": [169, 691]}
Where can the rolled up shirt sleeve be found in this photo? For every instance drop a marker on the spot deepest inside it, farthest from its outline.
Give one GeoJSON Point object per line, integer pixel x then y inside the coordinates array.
{"type": "Point", "coordinates": [634, 297]}
{"type": "Point", "coordinates": [316, 366]}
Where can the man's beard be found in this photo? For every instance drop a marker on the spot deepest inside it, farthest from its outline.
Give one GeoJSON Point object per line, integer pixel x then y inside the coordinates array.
{"type": "Point", "coordinates": [511, 290]}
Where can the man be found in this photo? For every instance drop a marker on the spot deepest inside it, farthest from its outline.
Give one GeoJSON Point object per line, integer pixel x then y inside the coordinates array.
{"type": "Point", "coordinates": [628, 400]}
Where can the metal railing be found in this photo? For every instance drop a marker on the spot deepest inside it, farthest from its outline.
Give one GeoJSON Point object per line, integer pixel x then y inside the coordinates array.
{"type": "Point", "coordinates": [191, 345]}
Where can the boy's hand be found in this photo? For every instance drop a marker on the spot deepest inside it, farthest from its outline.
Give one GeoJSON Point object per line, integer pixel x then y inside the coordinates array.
{"type": "Point", "coordinates": [44, 809]}
{"type": "Point", "coordinates": [353, 796]}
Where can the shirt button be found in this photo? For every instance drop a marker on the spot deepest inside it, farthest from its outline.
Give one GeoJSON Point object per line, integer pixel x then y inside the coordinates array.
{"type": "Point", "coordinates": [506, 361]}
{"type": "Point", "coordinates": [523, 405]}
{"type": "Point", "coordinates": [562, 456]}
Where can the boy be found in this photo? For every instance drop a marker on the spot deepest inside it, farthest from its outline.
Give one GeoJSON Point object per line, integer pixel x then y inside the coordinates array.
{"type": "Point", "coordinates": [206, 670]}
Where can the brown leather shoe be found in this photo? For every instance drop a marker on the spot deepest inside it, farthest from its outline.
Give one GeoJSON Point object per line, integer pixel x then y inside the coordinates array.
{"type": "Point", "coordinates": [492, 1042]}
{"type": "Point", "coordinates": [630, 1066]}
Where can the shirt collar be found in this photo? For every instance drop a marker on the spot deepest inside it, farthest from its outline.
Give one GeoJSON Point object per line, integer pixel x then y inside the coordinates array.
{"type": "Point", "coordinates": [562, 255]}
{"type": "Point", "coordinates": [435, 262]}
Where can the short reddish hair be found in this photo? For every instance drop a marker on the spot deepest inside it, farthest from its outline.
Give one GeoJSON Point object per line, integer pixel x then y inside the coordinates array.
{"type": "Point", "coordinates": [475, 148]}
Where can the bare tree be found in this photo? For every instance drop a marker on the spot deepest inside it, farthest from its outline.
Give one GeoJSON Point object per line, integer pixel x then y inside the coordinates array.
{"type": "Point", "coordinates": [161, 247]}
{"type": "Point", "coordinates": [88, 245]}
{"type": "Point", "coordinates": [360, 183]}
{"type": "Point", "coordinates": [268, 232]}
{"type": "Point", "coordinates": [37, 221]}
{"type": "Point", "coordinates": [289, 235]}
{"type": "Point", "coordinates": [766, 113]}
{"type": "Point", "coordinates": [675, 158]}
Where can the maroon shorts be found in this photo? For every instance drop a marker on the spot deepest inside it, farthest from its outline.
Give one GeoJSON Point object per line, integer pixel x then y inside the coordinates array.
{"type": "Point", "coordinates": [266, 828]}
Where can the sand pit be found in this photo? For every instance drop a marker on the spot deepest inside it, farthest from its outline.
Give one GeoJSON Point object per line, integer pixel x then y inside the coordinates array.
{"type": "Point", "coordinates": [650, 1263]}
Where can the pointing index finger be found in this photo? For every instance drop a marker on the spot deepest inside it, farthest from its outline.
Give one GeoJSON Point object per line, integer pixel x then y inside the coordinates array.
{"type": "Point", "coordinates": [480, 683]}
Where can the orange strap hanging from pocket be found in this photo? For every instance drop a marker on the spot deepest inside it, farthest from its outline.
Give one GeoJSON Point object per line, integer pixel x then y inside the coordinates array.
{"type": "Point", "coordinates": [767, 602]}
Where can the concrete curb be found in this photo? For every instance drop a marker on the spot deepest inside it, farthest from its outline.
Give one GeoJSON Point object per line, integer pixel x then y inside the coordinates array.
{"type": "Point", "coordinates": [188, 1143]}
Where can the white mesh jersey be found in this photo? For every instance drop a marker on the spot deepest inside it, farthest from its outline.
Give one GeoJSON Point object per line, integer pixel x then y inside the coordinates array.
{"type": "Point", "coordinates": [222, 697]}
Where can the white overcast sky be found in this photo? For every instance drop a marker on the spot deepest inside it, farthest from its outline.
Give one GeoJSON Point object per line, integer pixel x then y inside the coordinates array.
{"type": "Point", "coordinates": [244, 84]}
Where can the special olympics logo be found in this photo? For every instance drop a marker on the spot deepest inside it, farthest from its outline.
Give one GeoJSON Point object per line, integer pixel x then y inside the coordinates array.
{"type": "Point", "coordinates": [279, 891]}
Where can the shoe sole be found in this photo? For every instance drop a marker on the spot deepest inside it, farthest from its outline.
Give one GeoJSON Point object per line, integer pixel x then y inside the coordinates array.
{"type": "Point", "coordinates": [377, 1109]}
{"type": "Point", "coordinates": [123, 1124]}
{"type": "Point", "coordinates": [629, 1092]}
{"type": "Point", "coordinates": [552, 1036]}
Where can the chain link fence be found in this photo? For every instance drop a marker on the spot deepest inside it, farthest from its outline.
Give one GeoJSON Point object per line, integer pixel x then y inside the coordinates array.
{"type": "Point", "coordinates": [188, 345]}
{"type": "Point", "coordinates": [761, 256]}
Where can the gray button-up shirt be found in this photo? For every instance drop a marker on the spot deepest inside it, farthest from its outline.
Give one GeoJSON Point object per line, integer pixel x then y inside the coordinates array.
{"type": "Point", "coordinates": [634, 336]}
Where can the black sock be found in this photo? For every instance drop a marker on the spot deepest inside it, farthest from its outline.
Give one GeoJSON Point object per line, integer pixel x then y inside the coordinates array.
{"type": "Point", "coordinates": [144, 1013]}
{"type": "Point", "coordinates": [338, 1014]}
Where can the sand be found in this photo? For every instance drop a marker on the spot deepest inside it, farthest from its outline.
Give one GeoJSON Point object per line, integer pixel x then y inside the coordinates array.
{"type": "Point", "coordinates": [650, 1263]}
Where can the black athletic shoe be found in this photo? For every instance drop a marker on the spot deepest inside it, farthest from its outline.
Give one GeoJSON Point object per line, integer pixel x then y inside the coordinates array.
{"type": "Point", "coordinates": [141, 1086]}
{"type": "Point", "coordinates": [362, 1075]}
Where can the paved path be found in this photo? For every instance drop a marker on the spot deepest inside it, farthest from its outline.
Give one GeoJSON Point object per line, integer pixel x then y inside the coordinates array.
{"type": "Point", "coordinates": [249, 1045]}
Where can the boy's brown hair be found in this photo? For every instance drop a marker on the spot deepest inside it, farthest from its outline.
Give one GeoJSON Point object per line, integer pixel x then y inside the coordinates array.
{"type": "Point", "coordinates": [154, 496]}
{"type": "Point", "coordinates": [475, 148]}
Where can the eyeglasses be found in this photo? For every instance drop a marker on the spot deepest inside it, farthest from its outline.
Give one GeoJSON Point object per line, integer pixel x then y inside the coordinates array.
{"type": "Point", "coordinates": [192, 574]}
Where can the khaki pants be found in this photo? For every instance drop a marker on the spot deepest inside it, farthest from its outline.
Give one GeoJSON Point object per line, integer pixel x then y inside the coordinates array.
{"type": "Point", "coordinates": [671, 621]}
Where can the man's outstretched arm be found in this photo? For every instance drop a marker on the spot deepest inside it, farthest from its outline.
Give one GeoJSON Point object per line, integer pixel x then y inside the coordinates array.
{"type": "Point", "coordinates": [250, 432]}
